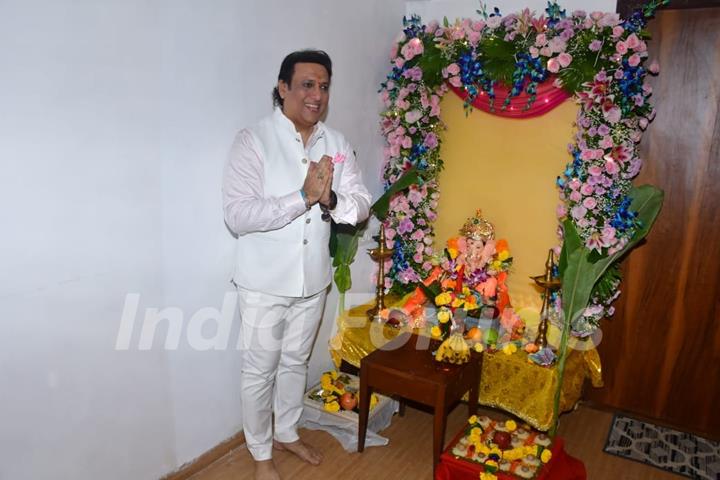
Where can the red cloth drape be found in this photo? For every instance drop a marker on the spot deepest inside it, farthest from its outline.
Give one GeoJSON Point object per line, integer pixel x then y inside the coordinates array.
{"type": "Point", "coordinates": [561, 467]}
{"type": "Point", "coordinates": [548, 97]}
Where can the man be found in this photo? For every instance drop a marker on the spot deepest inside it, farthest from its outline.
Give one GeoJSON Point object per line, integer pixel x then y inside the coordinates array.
{"type": "Point", "coordinates": [284, 179]}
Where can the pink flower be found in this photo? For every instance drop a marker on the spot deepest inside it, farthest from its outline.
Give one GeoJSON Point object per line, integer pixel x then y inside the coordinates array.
{"type": "Point", "coordinates": [611, 112]}
{"type": "Point", "coordinates": [617, 31]}
{"type": "Point", "coordinates": [455, 81]}
{"type": "Point", "coordinates": [453, 69]}
{"type": "Point", "coordinates": [494, 22]}
{"type": "Point", "coordinates": [564, 59]}
{"type": "Point", "coordinates": [595, 45]}
{"type": "Point", "coordinates": [632, 41]}
{"type": "Point", "coordinates": [534, 52]}
{"type": "Point", "coordinates": [389, 233]}
{"type": "Point", "coordinates": [399, 62]}
{"type": "Point", "coordinates": [414, 196]}
{"type": "Point", "coordinates": [593, 242]}
{"type": "Point", "coordinates": [621, 47]}
{"type": "Point", "coordinates": [606, 142]}
{"type": "Point", "coordinates": [634, 60]}
{"type": "Point", "coordinates": [412, 48]}
{"type": "Point", "coordinates": [611, 167]}
{"type": "Point", "coordinates": [654, 67]}
{"type": "Point", "coordinates": [608, 235]}
{"type": "Point", "coordinates": [557, 45]}
{"type": "Point", "coordinates": [540, 40]}
{"type": "Point", "coordinates": [553, 65]}
{"type": "Point", "coordinates": [413, 116]}
{"type": "Point", "coordinates": [586, 189]}
{"type": "Point", "coordinates": [575, 196]}
{"type": "Point", "coordinates": [561, 210]}
{"type": "Point", "coordinates": [578, 212]}
{"type": "Point", "coordinates": [594, 171]}
{"type": "Point", "coordinates": [590, 203]}
{"type": "Point", "coordinates": [338, 158]}
{"type": "Point", "coordinates": [609, 20]}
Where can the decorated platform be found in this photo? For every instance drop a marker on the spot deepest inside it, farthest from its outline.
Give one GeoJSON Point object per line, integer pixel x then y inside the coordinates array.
{"type": "Point", "coordinates": [508, 382]}
{"type": "Point", "coordinates": [489, 450]}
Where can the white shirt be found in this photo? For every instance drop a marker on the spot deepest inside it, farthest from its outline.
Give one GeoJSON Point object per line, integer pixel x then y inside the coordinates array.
{"type": "Point", "coordinates": [282, 248]}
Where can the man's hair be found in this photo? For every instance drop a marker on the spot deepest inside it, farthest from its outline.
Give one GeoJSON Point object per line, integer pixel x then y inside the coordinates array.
{"type": "Point", "coordinates": [287, 68]}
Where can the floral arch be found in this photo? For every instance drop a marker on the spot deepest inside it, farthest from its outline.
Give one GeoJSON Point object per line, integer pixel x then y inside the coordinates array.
{"type": "Point", "coordinates": [522, 65]}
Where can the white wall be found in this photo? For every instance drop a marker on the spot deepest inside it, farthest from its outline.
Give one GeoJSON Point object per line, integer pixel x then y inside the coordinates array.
{"type": "Point", "coordinates": [115, 118]}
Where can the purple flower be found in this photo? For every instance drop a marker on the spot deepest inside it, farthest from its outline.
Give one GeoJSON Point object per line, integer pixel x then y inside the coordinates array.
{"type": "Point", "coordinates": [578, 212]}
{"type": "Point", "coordinates": [595, 45]}
{"type": "Point", "coordinates": [406, 225]}
{"type": "Point", "coordinates": [431, 140]}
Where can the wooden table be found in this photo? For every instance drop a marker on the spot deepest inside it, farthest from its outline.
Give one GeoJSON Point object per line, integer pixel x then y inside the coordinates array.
{"type": "Point", "coordinates": [405, 367]}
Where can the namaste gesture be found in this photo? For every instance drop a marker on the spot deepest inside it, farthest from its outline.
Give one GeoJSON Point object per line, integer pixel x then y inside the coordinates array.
{"type": "Point", "coordinates": [318, 181]}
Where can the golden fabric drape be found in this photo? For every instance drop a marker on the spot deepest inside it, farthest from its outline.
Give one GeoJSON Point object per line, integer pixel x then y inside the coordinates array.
{"type": "Point", "coordinates": [508, 382]}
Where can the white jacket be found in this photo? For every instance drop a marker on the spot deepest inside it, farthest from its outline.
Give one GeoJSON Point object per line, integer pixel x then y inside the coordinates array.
{"type": "Point", "coordinates": [282, 249]}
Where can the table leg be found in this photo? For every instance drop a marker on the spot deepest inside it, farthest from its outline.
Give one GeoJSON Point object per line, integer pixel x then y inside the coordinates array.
{"type": "Point", "coordinates": [365, 393]}
{"type": "Point", "coordinates": [401, 408]}
{"type": "Point", "coordinates": [473, 398]}
{"type": "Point", "coordinates": [439, 428]}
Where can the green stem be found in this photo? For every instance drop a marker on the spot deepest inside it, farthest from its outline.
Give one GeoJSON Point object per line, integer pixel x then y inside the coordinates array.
{"type": "Point", "coordinates": [341, 304]}
{"type": "Point", "coordinates": [562, 356]}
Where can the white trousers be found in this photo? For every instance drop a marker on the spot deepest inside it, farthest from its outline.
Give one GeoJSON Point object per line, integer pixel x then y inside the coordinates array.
{"type": "Point", "coordinates": [277, 338]}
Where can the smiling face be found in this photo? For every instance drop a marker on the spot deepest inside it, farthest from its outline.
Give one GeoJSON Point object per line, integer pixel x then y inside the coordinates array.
{"type": "Point", "coordinates": [305, 100]}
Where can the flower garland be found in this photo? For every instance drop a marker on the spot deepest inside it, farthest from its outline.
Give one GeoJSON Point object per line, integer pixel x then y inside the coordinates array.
{"type": "Point", "coordinates": [598, 57]}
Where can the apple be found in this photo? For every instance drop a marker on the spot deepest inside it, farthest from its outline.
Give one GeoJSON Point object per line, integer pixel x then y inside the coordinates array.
{"type": "Point", "coordinates": [502, 439]}
{"type": "Point", "coordinates": [348, 401]}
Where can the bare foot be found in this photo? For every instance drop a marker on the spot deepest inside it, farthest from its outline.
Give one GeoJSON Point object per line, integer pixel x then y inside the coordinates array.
{"type": "Point", "coordinates": [265, 470]}
{"type": "Point", "coordinates": [306, 452]}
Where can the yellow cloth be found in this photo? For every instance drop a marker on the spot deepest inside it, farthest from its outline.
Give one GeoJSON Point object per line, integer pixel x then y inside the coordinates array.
{"type": "Point", "coordinates": [508, 382]}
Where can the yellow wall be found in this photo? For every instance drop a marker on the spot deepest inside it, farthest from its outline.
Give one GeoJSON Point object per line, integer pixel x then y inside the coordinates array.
{"type": "Point", "coordinates": [507, 168]}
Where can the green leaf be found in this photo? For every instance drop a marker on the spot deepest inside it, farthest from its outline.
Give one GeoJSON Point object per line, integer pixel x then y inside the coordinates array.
{"type": "Point", "coordinates": [344, 238]}
{"type": "Point", "coordinates": [431, 291]}
{"type": "Point", "coordinates": [381, 206]}
{"type": "Point", "coordinates": [605, 286]}
{"type": "Point", "coordinates": [498, 59]}
{"type": "Point", "coordinates": [431, 62]}
{"type": "Point", "coordinates": [579, 274]}
{"type": "Point", "coordinates": [343, 279]}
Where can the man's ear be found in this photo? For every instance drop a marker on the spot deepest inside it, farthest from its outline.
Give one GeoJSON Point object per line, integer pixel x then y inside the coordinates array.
{"type": "Point", "coordinates": [282, 88]}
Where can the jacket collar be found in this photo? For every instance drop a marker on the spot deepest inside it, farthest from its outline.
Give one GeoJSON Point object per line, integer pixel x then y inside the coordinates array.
{"type": "Point", "coordinates": [283, 123]}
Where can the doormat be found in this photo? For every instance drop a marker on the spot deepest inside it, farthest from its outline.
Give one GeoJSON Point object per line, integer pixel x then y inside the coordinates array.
{"type": "Point", "coordinates": [677, 452]}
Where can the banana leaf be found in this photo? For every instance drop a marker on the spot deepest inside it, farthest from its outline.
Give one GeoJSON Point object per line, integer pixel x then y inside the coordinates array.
{"type": "Point", "coordinates": [344, 239]}
{"type": "Point", "coordinates": [580, 273]}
